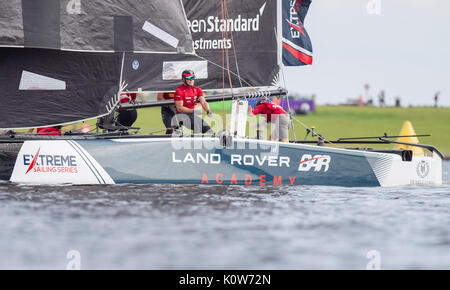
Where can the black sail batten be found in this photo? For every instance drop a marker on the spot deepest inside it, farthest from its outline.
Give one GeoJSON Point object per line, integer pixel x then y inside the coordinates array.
{"type": "Point", "coordinates": [43, 87]}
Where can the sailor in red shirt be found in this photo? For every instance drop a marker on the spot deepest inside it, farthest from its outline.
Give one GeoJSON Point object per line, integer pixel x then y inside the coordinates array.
{"type": "Point", "coordinates": [186, 97]}
{"type": "Point", "coordinates": [49, 131]}
{"type": "Point", "coordinates": [277, 116]}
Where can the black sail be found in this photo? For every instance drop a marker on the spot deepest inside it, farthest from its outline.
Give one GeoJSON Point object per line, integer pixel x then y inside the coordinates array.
{"type": "Point", "coordinates": [50, 87]}
{"type": "Point", "coordinates": [61, 61]}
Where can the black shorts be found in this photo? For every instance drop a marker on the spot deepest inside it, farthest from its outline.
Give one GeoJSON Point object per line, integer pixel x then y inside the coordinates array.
{"type": "Point", "coordinates": [127, 117]}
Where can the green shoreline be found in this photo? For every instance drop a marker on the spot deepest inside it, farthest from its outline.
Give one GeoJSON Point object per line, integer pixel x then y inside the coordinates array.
{"type": "Point", "coordinates": [342, 121]}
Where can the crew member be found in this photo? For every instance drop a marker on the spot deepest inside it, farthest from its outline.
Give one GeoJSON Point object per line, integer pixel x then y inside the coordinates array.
{"type": "Point", "coordinates": [49, 131]}
{"type": "Point", "coordinates": [186, 97]}
{"type": "Point", "coordinates": [167, 112]}
{"type": "Point", "coordinates": [127, 117]}
{"type": "Point", "coordinates": [277, 116]}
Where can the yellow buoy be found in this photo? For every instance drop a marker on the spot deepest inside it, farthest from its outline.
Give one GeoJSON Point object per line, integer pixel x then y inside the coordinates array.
{"type": "Point", "coordinates": [408, 130]}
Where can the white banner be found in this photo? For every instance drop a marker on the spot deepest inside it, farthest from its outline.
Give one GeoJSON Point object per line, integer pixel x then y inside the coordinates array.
{"type": "Point", "coordinates": [172, 69]}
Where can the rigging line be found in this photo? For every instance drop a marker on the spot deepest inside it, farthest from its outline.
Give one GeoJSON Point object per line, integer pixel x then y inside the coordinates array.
{"type": "Point", "coordinates": [225, 56]}
{"type": "Point", "coordinates": [290, 116]}
{"type": "Point", "coordinates": [282, 73]}
{"type": "Point", "coordinates": [301, 123]}
{"type": "Point", "coordinates": [289, 104]}
{"type": "Point", "coordinates": [284, 84]}
{"type": "Point", "coordinates": [308, 128]}
{"type": "Point", "coordinates": [224, 47]}
{"type": "Point", "coordinates": [223, 69]}
{"type": "Point", "coordinates": [234, 51]}
{"type": "Point", "coordinates": [250, 86]}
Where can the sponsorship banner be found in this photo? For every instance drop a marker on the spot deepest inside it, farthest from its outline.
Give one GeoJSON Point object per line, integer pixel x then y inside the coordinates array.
{"type": "Point", "coordinates": [57, 162]}
{"type": "Point", "coordinates": [297, 47]}
{"type": "Point", "coordinates": [246, 29]}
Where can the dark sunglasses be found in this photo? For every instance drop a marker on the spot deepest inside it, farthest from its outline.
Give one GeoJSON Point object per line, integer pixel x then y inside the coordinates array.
{"type": "Point", "coordinates": [190, 78]}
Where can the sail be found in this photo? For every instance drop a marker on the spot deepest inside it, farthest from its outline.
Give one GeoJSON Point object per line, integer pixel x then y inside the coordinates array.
{"type": "Point", "coordinates": [105, 26]}
{"type": "Point", "coordinates": [61, 61]}
{"type": "Point", "coordinates": [246, 30]}
{"type": "Point", "coordinates": [297, 47]}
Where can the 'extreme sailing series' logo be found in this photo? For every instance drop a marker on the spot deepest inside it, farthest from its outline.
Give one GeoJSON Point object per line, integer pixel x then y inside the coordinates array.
{"type": "Point", "coordinates": [40, 163]}
{"type": "Point", "coordinates": [318, 162]}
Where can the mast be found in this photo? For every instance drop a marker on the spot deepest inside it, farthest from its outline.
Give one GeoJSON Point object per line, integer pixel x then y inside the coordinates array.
{"type": "Point", "coordinates": [279, 32]}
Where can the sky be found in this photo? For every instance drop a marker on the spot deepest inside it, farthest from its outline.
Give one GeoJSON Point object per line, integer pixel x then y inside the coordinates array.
{"type": "Point", "coordinates": [404, 50]}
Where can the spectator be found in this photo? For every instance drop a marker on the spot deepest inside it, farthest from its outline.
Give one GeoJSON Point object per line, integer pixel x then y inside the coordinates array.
{"type": "Point", "coordinates": [436, 99]}
{"type": "Point", "coordinates": [381, 97]}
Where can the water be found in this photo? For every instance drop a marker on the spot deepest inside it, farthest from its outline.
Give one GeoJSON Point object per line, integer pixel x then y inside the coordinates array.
{"type": "Point", "coordinates": [200, 227]}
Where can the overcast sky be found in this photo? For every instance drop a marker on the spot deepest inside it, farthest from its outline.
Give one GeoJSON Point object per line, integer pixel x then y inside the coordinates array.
{"type": "Point", "coordinates": [405, 51]}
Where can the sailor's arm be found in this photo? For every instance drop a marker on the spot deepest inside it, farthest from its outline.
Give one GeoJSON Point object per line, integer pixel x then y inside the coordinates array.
{"type": "Point", "coordinates": [256, 111]}
{"type": "Point", "coordinates": [182, 109]}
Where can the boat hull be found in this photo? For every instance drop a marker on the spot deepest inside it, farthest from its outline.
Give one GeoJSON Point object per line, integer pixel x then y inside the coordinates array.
{"type": "Point", "coordinates": [208, 161]}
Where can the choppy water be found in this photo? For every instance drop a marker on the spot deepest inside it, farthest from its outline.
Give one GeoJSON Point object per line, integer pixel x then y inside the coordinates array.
{"type": "Point", "coordinates": [200, 227]}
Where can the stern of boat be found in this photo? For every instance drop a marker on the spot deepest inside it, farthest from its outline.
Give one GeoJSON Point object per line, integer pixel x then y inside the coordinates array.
{"type": "Point", "coordinates": [394, 170]}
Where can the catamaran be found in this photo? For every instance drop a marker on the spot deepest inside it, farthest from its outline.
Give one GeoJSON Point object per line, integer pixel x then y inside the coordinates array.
{"type": "Point", "coordinates": [63, 63]}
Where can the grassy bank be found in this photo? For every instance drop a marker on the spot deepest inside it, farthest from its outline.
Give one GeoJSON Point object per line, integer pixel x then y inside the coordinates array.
{"type": "Point", "coordinates": [339, 121]}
